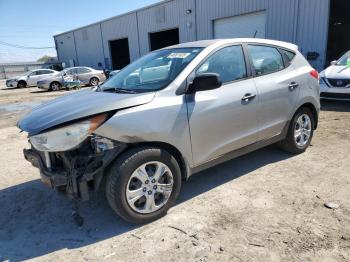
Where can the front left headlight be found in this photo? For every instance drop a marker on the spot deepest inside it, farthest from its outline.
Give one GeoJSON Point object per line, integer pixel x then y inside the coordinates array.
{"type": "Point", "coordinates": [68, 137]}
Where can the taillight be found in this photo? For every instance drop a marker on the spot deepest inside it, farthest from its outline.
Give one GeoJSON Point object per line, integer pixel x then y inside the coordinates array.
{"type": "Point", "coordinates": [314, 74]}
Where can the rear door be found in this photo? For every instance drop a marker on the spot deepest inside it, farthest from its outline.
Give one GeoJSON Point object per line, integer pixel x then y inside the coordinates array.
{"type": "Point", "coordinates": [221, 120]}
{"type": "Point", "coordinates": [278, 87]}
{"type": "Point", "coordinates": [45, 73]}
{"type": "Point", "coordinates": [84, 74]}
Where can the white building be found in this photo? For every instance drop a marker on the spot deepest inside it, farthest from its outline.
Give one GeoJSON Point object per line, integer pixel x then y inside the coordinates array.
{"type": "Point", "coordinates": [115, 42]}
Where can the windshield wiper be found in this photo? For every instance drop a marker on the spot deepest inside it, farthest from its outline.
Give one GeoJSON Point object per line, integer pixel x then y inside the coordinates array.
{"type": "Point", "coordinates": [120, 90]}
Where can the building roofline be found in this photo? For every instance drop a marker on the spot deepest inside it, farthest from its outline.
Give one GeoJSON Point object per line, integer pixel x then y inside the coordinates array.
{"type": "Point", "coordinates": [114, 17]}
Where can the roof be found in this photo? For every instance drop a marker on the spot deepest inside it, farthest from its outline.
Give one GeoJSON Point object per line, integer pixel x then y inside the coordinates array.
{"type": "Point", "coordinates": [114, 17]}
{"type": "Point", "coordinates": [206, 43]}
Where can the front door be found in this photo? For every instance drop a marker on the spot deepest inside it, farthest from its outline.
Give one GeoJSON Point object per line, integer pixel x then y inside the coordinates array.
{"type": "Point", "coordinates": [33, 78]}
{"type": "Point", "coordinates": [223, 119]}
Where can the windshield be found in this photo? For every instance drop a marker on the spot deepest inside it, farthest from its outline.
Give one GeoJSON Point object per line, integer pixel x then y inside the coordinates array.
{"type": "Point", "coordinates": [343, 60]}
{"type": "Point", "coordinates": [152, 72]}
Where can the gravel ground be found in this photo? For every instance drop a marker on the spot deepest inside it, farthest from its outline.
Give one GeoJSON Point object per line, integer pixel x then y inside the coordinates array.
{"type": "Point", "coordinates": [265, 206]}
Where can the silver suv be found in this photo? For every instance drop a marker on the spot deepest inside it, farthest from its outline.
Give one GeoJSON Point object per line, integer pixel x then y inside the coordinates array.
{"type": "Point", "coordinates": [170, 114]}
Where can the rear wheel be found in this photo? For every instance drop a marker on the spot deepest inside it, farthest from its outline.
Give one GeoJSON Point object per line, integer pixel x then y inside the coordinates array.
{"type": "Point", "coordinates": [94, 81]}
{"type": "Point", "coordinates": [143, 184]}
{"type": "Point", "coordinates": [55, 86]}
{"type": "Point", "coordinates": [300, 132]}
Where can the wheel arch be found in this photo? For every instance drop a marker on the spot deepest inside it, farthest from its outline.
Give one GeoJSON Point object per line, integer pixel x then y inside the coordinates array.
{"type": "Point", "coordinates": [22, 81]}
{"type": "Point", "coordinates": [94, 77]}
{"type": "Point", "coordinates": [55, 81]}
{"type": "Point", "coordinates": [184, 167]}
{"type": "Point", "coordinates": [314, 111]}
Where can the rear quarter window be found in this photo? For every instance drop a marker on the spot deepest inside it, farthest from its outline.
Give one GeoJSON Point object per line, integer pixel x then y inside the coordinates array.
{"type": "Point", "coordinates": [265, 59]}
{"type": "Point", "coordinates": [288, 55]}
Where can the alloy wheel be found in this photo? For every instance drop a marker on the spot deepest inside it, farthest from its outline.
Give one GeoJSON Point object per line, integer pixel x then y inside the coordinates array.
{"type": "Point", "coordinates": [94, 82]}
{"type": "Point", "coordinates": [302, 130]}
{"type": "Point", "coordinates": [149, 187]}
{"type": "Point", "coordinates": [55, 87]}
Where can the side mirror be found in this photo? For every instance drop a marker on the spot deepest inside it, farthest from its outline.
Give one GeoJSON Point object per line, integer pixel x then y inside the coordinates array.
{"type": "Point", "coordinates": [334, 62]}
{"type": "Point", "coordinates": [204, 82]}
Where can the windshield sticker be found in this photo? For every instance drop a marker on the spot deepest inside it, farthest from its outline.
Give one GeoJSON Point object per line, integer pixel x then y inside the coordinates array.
{"type": "Point", "coordinates": [178, 55]}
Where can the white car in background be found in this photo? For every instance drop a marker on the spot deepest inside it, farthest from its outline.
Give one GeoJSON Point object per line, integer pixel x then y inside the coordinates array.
{"type": "Point", "coordinates": [30, 78]}
{"type": "Point", "coordinates": [335, 80]}
{"type": "Point", "coordinates": [86, 75]}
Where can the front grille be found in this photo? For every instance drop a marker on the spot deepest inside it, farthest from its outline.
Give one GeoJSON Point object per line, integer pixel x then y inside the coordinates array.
{"type": "Point", "coordinates": [335, 95]}
{"type": "Point", "coordinates": [339, 82]}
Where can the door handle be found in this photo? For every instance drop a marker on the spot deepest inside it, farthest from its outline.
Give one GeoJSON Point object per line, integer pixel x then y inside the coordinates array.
{"type": "Point", "coordinates": [292, 86]}
{"type": "Point", "coordinates": [248, 97]}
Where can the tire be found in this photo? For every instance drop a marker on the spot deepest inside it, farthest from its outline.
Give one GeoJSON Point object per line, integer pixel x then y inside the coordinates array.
{"type": "Point", "coordinates": [55, 86]}
{"type": "Point", "coordinates": [94, 81]}
{"type": "Point", "coordinates": [22, 84]}
{"type": "Point", "coordinates": [297, 142]}
{"type": "Point", "coordinates": [122, 174]}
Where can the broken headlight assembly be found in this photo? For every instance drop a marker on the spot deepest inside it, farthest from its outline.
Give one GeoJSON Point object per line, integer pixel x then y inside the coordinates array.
{"type": "Point", "coordinates": [67, 137]}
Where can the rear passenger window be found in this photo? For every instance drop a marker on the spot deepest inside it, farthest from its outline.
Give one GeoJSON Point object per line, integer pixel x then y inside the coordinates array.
{"type": "Point", "coordinates": [288, 55]}
{"type": "Point", "coordinates": [228, 63]}
{"type": "Point", "coordinates": [266, 59]}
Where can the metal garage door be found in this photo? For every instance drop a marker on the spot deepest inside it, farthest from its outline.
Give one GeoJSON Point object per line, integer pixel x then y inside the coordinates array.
{"type": "Point", "coordinates": [241, 26]}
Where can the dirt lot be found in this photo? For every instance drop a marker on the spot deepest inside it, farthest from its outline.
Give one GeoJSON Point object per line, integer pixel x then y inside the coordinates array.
{"type": "Point", "coordinates": [265, 206]}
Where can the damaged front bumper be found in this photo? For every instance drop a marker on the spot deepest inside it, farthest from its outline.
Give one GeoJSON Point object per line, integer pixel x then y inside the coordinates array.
{"type": "Point", "coordinates": [79, 171]}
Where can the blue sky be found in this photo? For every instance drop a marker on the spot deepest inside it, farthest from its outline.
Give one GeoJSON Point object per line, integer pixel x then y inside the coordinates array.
{"type": "Point", "coordinates": [33, 23]}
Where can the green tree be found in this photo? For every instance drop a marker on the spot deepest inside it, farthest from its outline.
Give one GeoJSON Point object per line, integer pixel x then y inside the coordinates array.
{"type": "Point", "coordinates": [45, 58]}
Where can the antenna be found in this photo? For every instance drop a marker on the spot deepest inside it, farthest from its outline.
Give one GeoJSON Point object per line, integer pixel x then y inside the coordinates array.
{"type": "Point", "coordinates": [256, 32]}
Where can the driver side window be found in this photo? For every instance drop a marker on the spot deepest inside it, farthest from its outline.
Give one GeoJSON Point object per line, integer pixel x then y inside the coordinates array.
{"type": "Point", "coordinates": [228, 63]}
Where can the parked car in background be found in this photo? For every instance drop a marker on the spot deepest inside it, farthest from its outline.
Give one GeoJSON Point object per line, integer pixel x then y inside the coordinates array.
{"type": "Point", "coordinates": [113, 73]}
{"type": "Point", "coordinates": [335, 80]}
{"type": "Point", "coordinates": [170, 114]}
{"type": "Point", "coordinates": [30, 78]}
{"type": "Point", "coordinates": [87, 76]}
{"type": "Point", "coordinates": [57, 67]}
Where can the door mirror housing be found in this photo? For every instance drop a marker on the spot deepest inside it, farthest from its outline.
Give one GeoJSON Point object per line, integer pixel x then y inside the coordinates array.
{"type": "Point", "coordinates": [204, 82]}
{"type": "Point", "coordinates": [334, 62]}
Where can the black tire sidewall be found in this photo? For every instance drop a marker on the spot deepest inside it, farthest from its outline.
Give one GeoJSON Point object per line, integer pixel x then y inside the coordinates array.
{"type": "Point", "coordinates": [118, 178]}
{"type": "Point", "coordinates": [92, 79]}
{"type": "Point", "coordinates": [60, 86]}
{"type": "Point", "coordinates": [21, 84]}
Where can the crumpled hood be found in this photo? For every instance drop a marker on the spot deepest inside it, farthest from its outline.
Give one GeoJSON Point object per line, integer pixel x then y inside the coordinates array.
{"type": "Point", "coordinates": [77, 106]}
{"type": "Point", "coordinates": [341, 72]}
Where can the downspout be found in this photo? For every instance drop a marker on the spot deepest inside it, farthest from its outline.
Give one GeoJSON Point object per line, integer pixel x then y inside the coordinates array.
{"type": "Point", "coordinates": [195, 20]}
{"type": "Point", "coordinates": [138, 33]}
{"type": "Point", "coordinates": [296, 23]}
{"type": "Point", "coordinates": [75, 47]}
{"type": "Point", "coordinates": [103, 47]}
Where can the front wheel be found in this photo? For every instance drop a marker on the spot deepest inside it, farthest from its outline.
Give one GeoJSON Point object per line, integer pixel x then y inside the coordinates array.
{"type": "Point", "coordinates": [22, 84]}
{"type": "Point", "coordinates": [143, 184]}
{"type": "Point", "coordinates": [300, 132]}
